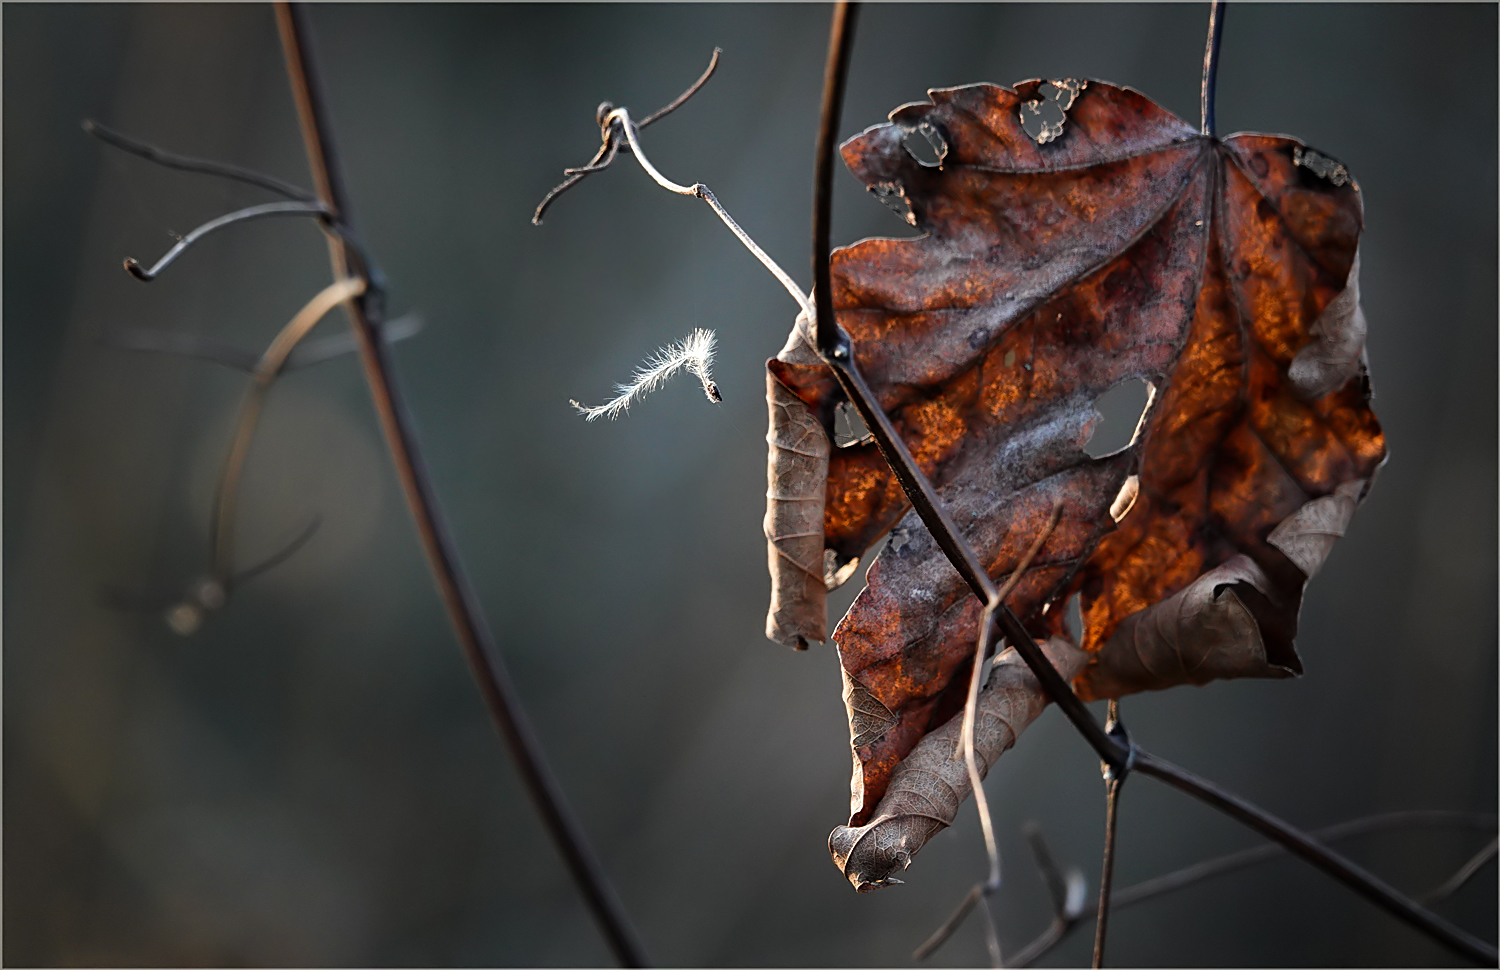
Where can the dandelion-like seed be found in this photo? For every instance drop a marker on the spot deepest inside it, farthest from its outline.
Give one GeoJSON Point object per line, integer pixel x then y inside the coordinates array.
{"type": "Point", "coordinates": [693, 353]}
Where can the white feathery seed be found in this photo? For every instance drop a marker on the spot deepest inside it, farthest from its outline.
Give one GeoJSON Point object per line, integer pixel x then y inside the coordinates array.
{"type": "Point", "coordinates": [693, 353]}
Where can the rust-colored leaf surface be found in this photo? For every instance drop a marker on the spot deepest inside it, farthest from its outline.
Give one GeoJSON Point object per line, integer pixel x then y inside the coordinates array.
{"type": "Point", "coordinates": [1059, 259]}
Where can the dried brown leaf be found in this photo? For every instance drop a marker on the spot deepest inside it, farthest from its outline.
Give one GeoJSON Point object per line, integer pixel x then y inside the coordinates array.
{"type": "Point", "coordinates": [1112, 243]}
{"type": "Point", "coordinates": [928, 787]}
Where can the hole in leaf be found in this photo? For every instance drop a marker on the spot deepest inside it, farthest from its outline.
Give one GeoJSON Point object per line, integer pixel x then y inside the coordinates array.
{"type": "Point", "coordinates": [1120, 410]}
{"type": "Point", "coordinates": [926, 144]}
{"type": "Point", "coordinates": [848, 427]}
{"type": "Point", "coordinates": [1074, 618]}
{"type": "Point", "coordinates": [1043, 119]}
{"type": "Point", "coordinates": [892, 196]}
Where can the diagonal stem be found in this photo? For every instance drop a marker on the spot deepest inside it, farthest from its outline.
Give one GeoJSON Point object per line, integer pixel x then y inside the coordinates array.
{"type": "Point", "coordinates": [442, 554]}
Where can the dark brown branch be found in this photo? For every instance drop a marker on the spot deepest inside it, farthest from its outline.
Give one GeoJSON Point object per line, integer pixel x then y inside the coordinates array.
{"type": "Point", "coordinates": [442, 555]}
{"type": "Point", "coordinates": [836, 351]}
{"type": "Point", "coordinates": [187, 163]}
{"type": "Point", "coordinates": [835, 74]}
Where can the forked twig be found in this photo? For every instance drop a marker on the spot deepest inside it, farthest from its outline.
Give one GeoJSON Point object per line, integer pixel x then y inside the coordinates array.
{"type": "Point", "coordinates": [612, 144]}
{"type": "Point", "coordinates": [1063, 924]}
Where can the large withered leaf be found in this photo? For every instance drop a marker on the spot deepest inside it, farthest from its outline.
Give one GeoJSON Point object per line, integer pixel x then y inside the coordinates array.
{"type": "Point", "coordinates": [1119, 244]}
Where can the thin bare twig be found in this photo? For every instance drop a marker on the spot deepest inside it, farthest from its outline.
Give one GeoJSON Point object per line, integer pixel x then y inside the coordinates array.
{"type": "Point", "coordinates": [1113, 781]}
{"type": "Point", "coordinates": [981, 890]}
{"type": "Point", "coordinates": [365, 313]}
{"type": "Point", "coordinates": [1063, 924]}
{"type": "Point", "coordinates": [991, 936]}
{"type": "Point", "coordinates": [253, 212]}
{"type": "Point", "coordinates": [681, 99]}
{"type": "Point", "coordinates": [214, 350]}
{"type": "Point", "coordinates": [267, 369]}
{"type": "Point", "coordinates": [950, 925]}
{"type": "Point", "coordinates": [1067, 891]}
{"type": "Point", "coordinates": [1463, 875]}
{"type": "Point", "coordinates": [1301, 844]}
{"type": "Point", "coordinates": [699, 190]}
{"type": "Point", "coordinates": [277, 558]}
{"type": "Point", "coordinates": [188, 163]}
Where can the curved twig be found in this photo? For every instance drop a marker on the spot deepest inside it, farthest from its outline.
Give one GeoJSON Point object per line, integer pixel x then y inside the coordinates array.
{"type": "Point", "coordinates": [699, 190]}
{"type": "Point", "coordinates": [267, 368]}
{"type": "Point", "coordinates": [188, 163]}
{"type": "Point", "coordinates": [229, 219]}
{"type": "Point", "coordinates": [681, 99]}
{"type": "Point", "coordinates": [1463, 875]}
{"type": "Point", "coordinates": [612, 142]}
{"type": "Point", "coordinates": [280, 556]}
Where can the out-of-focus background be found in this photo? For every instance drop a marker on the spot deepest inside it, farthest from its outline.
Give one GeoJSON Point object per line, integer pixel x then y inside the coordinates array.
{"type": "Point", "coordinates": [311, 778]}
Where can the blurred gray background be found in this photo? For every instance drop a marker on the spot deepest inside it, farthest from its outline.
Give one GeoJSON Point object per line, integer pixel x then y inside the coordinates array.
{"type": "Point", "coordinates": [311, 778]}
